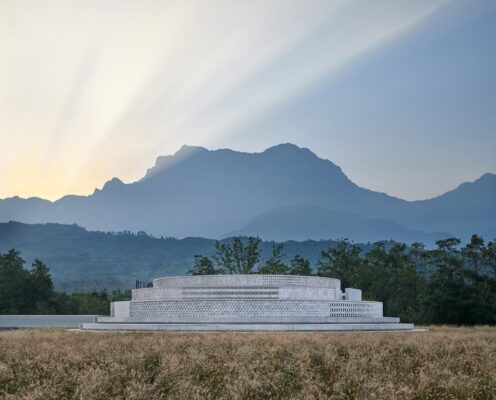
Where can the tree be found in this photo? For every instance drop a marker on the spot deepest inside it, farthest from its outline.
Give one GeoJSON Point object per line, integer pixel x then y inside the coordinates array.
{"type": "Point", "coordinates": [204, 266]}
{"type": "Point", "coordinates": [418, 273]}
{"type": "Point", "coordinates": [238, 257]}
{"type": "Point", "coordinates": [25, 291]}
{"type": "Point", "coordinates": [241, 256]}
{"type": "Point", "coordinates": [447, 253]}
{"type": "Point", "coordinates": [477, 273]}
{"type": "Point", "coordinates": [473, 253]}
{"type": "Point", "coordinates": [300, 266]}
{"type": "Point", "coordinates": [224, 258]}
{"type": "Point", "coordinates": [448, 288]}
{"type": "Point", "coordinates": [490, 260]}
{"type": "Point", "coordinates": [13, 283]}
{"type": "Point", "coordinates": [341, 262]}
{"type": "Point", "coordinates": [41, 288]}
{"type": "Point", "coordinates": [275, 265]}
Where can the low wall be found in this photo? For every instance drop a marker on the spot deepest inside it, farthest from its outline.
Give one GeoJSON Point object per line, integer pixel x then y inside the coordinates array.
{"type": "Point", "coordinates": [120, 309]}
{"type": "Point", "coordinates": [44, 321]}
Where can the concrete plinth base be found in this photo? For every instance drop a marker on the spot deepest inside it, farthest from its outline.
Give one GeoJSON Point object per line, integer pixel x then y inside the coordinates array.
{"type": "Point", "coordinates": [240, 327]}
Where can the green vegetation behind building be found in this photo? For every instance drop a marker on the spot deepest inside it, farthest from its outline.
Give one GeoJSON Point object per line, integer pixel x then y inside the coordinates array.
{"type": "Point", "coordinates": [451, 284]}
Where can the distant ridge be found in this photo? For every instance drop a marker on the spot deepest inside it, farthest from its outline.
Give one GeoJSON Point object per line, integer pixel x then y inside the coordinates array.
{"type": "Point", "coordinates": [302, 222]}
{"type": "Point", "coordinates": [200, 192]}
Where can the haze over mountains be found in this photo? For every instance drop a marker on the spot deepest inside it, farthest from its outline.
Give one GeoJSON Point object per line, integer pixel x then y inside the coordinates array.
{"type": "Point", "coordinates": [283, 193]}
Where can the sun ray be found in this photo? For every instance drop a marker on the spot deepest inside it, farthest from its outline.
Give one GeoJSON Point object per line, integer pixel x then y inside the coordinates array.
{"type": "Point", "coordinates": [91, 90]}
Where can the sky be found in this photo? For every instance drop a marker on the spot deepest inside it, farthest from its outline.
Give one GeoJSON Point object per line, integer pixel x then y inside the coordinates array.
{"type": "Point", "coordinates": [400, 94]}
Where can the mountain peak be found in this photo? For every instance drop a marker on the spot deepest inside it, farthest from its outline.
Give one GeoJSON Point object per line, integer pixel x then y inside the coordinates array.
{"type": "Point", "coordinates": [164, 162]}
{"type": "Point", "coordinates": [291, 151]}
{"type": "Point", "coordinates": [112, 184]}
{"type": "Point", "coordinates": [189, 150]}
{"type": "Point", "coordinates": [483, 182]}
{"type": "Point", "coordinates": [286, 148]}
{"type": "Point", "coordinates": [488, 176]}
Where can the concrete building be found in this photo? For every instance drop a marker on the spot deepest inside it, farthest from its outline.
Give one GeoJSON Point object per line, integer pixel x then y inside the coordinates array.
{"type": "Point", "coordinates": [247, 303]}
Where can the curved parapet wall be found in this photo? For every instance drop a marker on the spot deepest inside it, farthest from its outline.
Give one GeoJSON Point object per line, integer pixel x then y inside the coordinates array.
{"type": "Point", "coordinates": [237, 292]}
{"type": "Point", "coordinates": [246, 281]}
{"type": "Point", "coordinates": [249, 302]}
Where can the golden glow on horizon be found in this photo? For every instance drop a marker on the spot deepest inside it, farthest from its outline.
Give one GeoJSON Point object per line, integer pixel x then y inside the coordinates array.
{"type": "Point", "coordinates": [90, 90]}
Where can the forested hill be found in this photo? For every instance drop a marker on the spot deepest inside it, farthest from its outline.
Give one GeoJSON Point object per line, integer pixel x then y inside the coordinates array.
{"type": "Point", "coordinates": [84, 260]}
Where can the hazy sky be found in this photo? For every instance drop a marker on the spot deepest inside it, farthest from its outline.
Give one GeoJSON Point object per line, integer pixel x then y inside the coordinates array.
{"type": "Point", "coordinates": [400, 94]}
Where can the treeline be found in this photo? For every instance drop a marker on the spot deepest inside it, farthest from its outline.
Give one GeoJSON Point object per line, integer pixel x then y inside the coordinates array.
{"type": "Point", "coordinates": [31, 291]}
{"type": "Point", "coordinates": [451, 284]}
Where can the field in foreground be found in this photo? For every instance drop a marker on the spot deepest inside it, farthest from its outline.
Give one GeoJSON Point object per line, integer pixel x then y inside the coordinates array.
{"type": "Point", "coordinates": [446, 363]}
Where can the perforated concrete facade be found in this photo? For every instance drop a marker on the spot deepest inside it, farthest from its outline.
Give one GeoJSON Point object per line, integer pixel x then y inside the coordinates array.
{"type": "Point", "coordinates": [241, 300]}
{"type": "Point", "coordinates": [253, 293]}
{"type": "Point", "coordinates": [253, 308]}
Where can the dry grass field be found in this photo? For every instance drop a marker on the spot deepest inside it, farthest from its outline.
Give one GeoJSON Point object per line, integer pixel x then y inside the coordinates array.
{"type": "Point", "coordinates": [446, 363]}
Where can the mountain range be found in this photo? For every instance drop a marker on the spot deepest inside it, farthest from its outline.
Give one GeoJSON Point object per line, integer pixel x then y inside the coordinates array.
{"type": "Point", "coordinates": [285, 192]}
